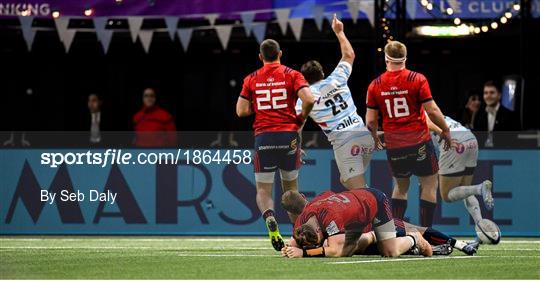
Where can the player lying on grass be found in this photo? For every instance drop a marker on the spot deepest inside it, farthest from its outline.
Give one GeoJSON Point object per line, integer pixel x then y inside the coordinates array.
{"type": "Point", "coordinates": [443, 244]}
{"type": "Point", "coordinates": [456, 169]}
{"type": "Point", "coordinates": [334, 111]}
{"type": "Point", "coordinates": [341, 218]}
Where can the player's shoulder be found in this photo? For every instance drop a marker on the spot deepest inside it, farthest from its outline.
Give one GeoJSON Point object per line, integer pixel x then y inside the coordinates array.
{"type": "Point", "coordinates": [252, 75]}
{"type": "Point", "coordinates": [413, 76]}
{"type": "Point", "coordinates": [376, 82]}
{"type": "Point", "coordinates": [288, 70]}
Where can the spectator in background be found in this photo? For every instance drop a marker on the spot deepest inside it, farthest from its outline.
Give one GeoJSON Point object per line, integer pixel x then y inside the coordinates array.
{"type": "Point", "coordinates": [493, 116]}
{"type": "Point", "coordinates": [471, 109]}
{"type": "Point", "coordinates": [95, 118]}
{"type": "Point", "coordinates": [154, 126]}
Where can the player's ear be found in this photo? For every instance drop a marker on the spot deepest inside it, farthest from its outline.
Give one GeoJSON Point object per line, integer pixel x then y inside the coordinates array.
{"type": "Point", "coordinates": [280, 54]}
{"type": "Point", "coordinates": [261, 57]}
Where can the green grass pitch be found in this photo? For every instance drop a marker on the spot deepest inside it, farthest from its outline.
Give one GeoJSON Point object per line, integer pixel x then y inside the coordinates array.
{"type": "Point", "coordinates": [242, 258]}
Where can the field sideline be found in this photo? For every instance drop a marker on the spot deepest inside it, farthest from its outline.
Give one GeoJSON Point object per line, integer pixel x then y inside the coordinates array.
{"type": "Point", "coordinates": [242, 258]}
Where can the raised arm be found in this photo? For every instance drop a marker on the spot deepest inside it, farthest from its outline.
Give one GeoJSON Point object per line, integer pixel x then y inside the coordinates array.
{"type": "Point", "coordinates": [347, 51]}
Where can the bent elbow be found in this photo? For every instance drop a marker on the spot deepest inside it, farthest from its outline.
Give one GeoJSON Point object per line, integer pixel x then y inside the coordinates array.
{"type": "Point", "coordinates": [349, 55]}
{"type": "Point", "coordinates": [241, 113]}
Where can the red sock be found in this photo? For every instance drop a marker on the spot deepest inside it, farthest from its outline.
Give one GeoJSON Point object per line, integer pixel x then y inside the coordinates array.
{"type": "Point", "coordinates": [399, 206]}
{"type": "Point", "coordinates": [427, 209]}
{"type": "Point", "coordinates": [268, 213]}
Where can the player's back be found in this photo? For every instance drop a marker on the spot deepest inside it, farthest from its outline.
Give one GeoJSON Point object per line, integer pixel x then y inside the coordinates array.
{"type": "Point", "coordinates": [399, 96]}
{"type": "Point", "coordinates": [272, 89]}
{"type": "Point", "coordinates": [335, 212]}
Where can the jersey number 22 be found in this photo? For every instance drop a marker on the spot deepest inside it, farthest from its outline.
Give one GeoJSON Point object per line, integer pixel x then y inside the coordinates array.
{"type": "Point", "coordinates": [271, 101]}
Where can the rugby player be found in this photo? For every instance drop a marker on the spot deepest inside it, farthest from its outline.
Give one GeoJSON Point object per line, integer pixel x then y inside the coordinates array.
{"type": "Point", "coordinates": [341, 218]}
{"type": "Point", "coordinates": [456, 170]}
{"type": "Point", "coordinates": [334, 111]}
{"type": "Point", "coordinates": [402, 96]}
{"type": "Point", "coordinates": [271, 93]}
{"type": "Point", "coordinates": [443, 244]}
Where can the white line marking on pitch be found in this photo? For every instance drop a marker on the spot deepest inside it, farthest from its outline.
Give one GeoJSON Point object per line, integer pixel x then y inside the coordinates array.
{"type": "Point", "coordinates": [223, 255]}
{"type": "Point", "coordinates": [131, 247]}
{"type": "Point", "coordinates": [403, 259]}
{"type": "Point", "coordinates": [124, 238]}
{"type": "Point", "coordinates": [499, 249]}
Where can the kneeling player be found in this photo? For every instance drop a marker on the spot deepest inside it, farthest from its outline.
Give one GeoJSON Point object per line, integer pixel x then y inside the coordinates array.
{"type": "Point", "coordinates": [341, 218]}
{"type": "Point", "coordinates": [443, 244]}
{"type": "Point", "coordinates": [456, 169]}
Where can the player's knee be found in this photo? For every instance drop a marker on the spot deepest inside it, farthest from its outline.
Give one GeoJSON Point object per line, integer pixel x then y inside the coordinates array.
{"type": "Point", "coordinates": [390, 253]}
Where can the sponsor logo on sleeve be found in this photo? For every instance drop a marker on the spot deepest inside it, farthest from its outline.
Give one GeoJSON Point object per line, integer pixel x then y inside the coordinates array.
{"type": "Point", "coordinates": [332, 228]}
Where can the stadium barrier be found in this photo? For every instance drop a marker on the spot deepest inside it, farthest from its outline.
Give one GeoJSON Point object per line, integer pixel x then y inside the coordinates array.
{"type": "Point", "coordinates": [219, 198]}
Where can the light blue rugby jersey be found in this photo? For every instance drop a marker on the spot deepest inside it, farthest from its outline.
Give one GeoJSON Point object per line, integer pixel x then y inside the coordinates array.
{"type": "Point", "coordinates": [457, 131]}
{"type": "Point", "coordinates": [334, 110]}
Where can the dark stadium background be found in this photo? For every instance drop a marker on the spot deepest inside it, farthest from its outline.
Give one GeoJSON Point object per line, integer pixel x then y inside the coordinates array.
{"type": "Point", "coordinates": [195, 86]}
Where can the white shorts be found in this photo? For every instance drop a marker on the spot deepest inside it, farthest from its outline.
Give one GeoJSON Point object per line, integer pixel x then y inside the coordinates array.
{"type": "Point", "coordinates": [457, 160]}
{"type": "Point", "coordinates": [353, 151]}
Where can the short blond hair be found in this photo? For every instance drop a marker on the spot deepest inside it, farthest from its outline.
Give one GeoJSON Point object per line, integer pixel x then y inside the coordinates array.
{"type": "Point", "coordinates": [395, 50]}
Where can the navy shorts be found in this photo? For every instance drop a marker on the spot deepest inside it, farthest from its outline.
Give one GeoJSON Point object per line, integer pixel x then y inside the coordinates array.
{"type": "Point", "coordinates": [419, 160]}
{"type": "Point", "coordinates": [276, 150]}
{"type": "Point", "coordinates": [384, 208]}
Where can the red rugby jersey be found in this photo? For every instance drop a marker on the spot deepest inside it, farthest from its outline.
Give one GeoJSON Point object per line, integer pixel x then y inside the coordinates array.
{"type": "Point", "coordinates": [399, 95]}
{"type": "Point", "coordinates": [339, 212]}
{"type": "Point", "coordinates": [272, 90]}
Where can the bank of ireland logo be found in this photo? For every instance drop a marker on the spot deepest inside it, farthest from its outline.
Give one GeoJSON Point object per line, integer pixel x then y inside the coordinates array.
{"type": "Point", "coordinates": [355, 150]}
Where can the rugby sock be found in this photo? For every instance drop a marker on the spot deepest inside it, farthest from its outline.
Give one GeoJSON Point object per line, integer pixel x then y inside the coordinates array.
{"type": "Point", "coordinates": [435, 237]}
{"type": "Point", "coordinates": [459, 244]}
{"type": "Point", "coordinates": [426, 212]}
{"type": "Point", "coordinates": [473, 206]}
{"type": "Point", "coordinates": [268, 213]}
{"type": "Point", "coordinates": [399, 206]}
{"type": "Point", "coordinates": [462, 192]}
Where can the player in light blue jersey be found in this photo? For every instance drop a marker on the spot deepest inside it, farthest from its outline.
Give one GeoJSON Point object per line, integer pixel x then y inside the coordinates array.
{"type": "Point", "coordinates": [456, 169]}
{"type": "Point", "coordinates": [334, 111]}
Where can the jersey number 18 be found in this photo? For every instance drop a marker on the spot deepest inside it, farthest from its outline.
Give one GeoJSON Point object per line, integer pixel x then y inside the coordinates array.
{"type": "Point", "coordinates": [399, 108]}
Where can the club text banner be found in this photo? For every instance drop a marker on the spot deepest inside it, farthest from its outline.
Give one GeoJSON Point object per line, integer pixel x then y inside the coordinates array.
{"type": "Point", "coordinates": [219, 199]}
{"type": "Point", "coordinates": [480, 9]}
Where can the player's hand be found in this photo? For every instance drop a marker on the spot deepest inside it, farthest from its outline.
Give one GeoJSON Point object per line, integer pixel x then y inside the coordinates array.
{"type": "Point", "coordinates": [302, 155]}
{"type": "Point", "coordinates": [445, 136]}
{"type": "Point", "coordinates": [379, 145]}
{"type": "Point", "coordinates": [337, 25]}
{"type": "Point", "coordinates": [284, 251]}
{"type": "Point", "coordinates": [455, 144]}
{"type": "Point", "coordinates": [293, 252]}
